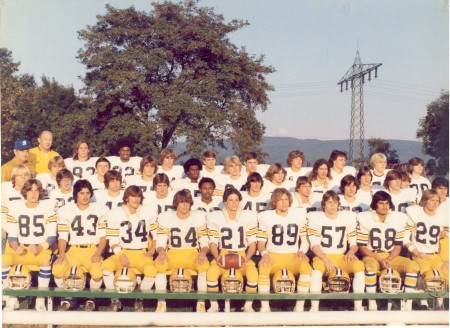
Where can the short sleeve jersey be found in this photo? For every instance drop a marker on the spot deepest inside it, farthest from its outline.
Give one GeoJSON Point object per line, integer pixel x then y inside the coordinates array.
{"type": "Point", "coordinates": [282, 233]}
{"type": "Point", "coordinates": [60, 199]}
{"type": "Point", "coordinates": [163, 204]}
{"type": "Point", "coordinates": [47, 183]}
{"type": "Point", "coordinates": [125, 168]}
{"type": "Point", "coordinates": [131, 231]}
{"type": "Point", "coordinates": [80, 227]}
{"type": "Point", "coordinates": [383, 236]}
{"type": "Point", "coordinates": [293, 176]}
{"type": "Point", "coordinates": [102, 197]}
{"type": "Point", "coordinates": [332, 235]}
{"type": "Point", "coordinates": [185, 183]}
{"type": "Point", "coordinates": [257, 204]}
{"type": "Point", "coordinates": [136, 180]}
{"type": "Point", "coordinates": [357, 206]}
{"type": "Point", "coordinates": [81, 169]}
{"type": "Point", "coordinates": [176, 233]}
{"type": "Point", "coordinates": [314, 203]}
{"type": "Point", "coordinates": [419, 186]}
{"type": "Point", "coordinates": [402, 200]}
{"type": "Point", "coordinates": [215, 205]}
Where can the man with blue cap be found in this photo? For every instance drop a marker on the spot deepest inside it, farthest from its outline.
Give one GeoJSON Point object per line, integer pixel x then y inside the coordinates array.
{"type": "Point", "coordinates": [21, 152]}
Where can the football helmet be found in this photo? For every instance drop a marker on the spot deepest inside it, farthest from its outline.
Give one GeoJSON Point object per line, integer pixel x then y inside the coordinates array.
{"type": "Point", "coordinates": [338, 281]}
{"type": "Point", "coordinates": [232, 282]}
{"type": "Point", "coordinates": [180, 281]}
{"type": "Point", "coordinates": [434, 282]}
{"type": "Point", "coordinates": [125, 280]}
{"type": "Point", "coordinates": [19, 277]}
{"type": "Point", "coordinates": [75, 280]}
{"type": "Point", "coordinates": [390, 281]}
{"type": "Point", "coordinates": [283, 282]}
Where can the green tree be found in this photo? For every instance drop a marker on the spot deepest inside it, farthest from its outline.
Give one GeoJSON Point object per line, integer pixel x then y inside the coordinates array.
{"type": "Point", "coordinates": [433, 132]}
{"type": "Point", "coordinates": [378, 145]}
{"type": "Point", "coordinates": [171, 74]}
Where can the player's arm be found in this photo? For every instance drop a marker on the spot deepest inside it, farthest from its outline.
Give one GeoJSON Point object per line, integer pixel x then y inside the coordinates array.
{"type": "Point", "coordinates": [251, 250]}
{"type": "Point", "coordinates": [13, 237]}
{"type": "Point", "coordinates": [304, 243]}
{"type": "Point", "coordinates": [317, 250]}
{"type": "Point", "coordinates": [407, 243]}
{"type": "Point", "coordinates": [203, 241]}
{"type": "Point", "coordinates": [262, 241]}
{"type": "Point", "coordinates": [100, 248]}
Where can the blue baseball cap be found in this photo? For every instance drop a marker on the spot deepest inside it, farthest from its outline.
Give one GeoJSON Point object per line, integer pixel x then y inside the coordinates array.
{"type": "Point", "coordinates": [22, 144]}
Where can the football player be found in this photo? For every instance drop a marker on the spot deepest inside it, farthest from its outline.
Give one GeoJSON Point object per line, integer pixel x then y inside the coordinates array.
{"type": "Point", "coordinates": [113, 195]}
{"type": "Point", "coordinates": [418, 181]}
{"type": "Point", "coordinates": [32, 231]}
{"type": "Point", "coordinates": [295, 160]}
{"type": "Point", "coordinates": [125, 163]}
{"type": "Point", "coordinates": [64, 193]}
{"type": "Point", "coordinates": [425, 229]}
{"type": "Point", "coordinates": [48, 180]}
{"type": "Point", "coordinates": [82, 228]}
{"type": "Point", "coordinates": [380, 238]}
{"type": "Point", "coordinates": [254, 199]}
{"type": "Point", "coordinates": [440, 185]}
{"type": "Point", "coordinates": [348, 198]}
{"type": "Point", "coordinates": [320, 176]}
{"type": "Point", "coordinates": [378, 163]}
{"type": "Point", "coordinates": [366, 189]}
{"type": "Point", "coordinates": [232, 230]}
{"type": "Point", "coordinates": [207, 202]}
{"type": "Point", "coordinates": [401, 198]}
{"type": "Point", "coordinates": [166, 160]}
{"type": "Point", "coordinates": [210, 169]}
{"type": "Point", "coordinates": [276, 178]}
{"type": "Point", "coordinates": [338, 170]}
{"type": "Point", "coordinates": [148, 169]}
{"type": "Point", "coordinates": [130, 230]}
{"type": "Point", "coordinates": [233, 178]}
{"type": "Point", "coordinates": [280, 230]}
{"type": "Point", "coordinates": [102, 165]}
{"type": "Point", "coordinates": [192, 168]}
{"type": "Point", "coordinates": [330, 233]}
{"type": "Point", "coordinates": [182, 242]}
{"type": "Point", "coordinates": [81, 164]}
{"type": "Point", "coordinates": [161, 196]}
{"type": "Point", "coordinates": [304, 198]}
{"type": "Point", "coordinates": [251, 164]}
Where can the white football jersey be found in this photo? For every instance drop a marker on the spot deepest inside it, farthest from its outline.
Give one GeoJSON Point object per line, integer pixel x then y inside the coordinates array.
{"type": "Point", "coordinates": [357, 206]}
{"type": "Point", "coordinates": [215, 205]}
{"type": "Point", "coordinates": [332, 235]}
{"type": "Point", "coordinates": [95, 183]}
{"type": "Point", "coordinates": [125, 168]}
{"type": "Point", "coordinates": [176, 233]}
{"type": "Point", "coordinates": [377, 235]}
{"type": "Point", "coordinates": [232, 235]}
{"type": "Point", "coordinates": [47, 183]}
{"type": "Point", "coordinates": [10, 194]}
{"type": "Point", "coordinates": [185, 183]}
{"type": "Point", "coordinates": [282, 233]}
{"type": "Point", "coordinates": [257, 204]}
{"type": "Point", "coordinates": [163, 204]}
{"type": "Point", "coordinates": [218, 169]}
{"type": "Point", "coordinates": [32, 225]}
{"type": "Point", "coordinates": [131, 231]}
{"type": "Point", "coordinates": [177, 172]}
{"type": "Point", "coordinates": [314, 204]}
{"type": "Point", "coordinates": [425, 229]}
{"type": "Point", "coordinates": [293, 176]}
{"type": "Point", "coordinates": [269, 186]}
{"type": "Point", "coordinates": [136, 180]}
{"type": "Point", "coordinates": [378, 180]}
{"type": "Point", "coordinates": [366, 196]}
{"type": "Point", "coordinates": [224, 182]}
{"type": "Point", "coordinates": [60, 199]}
{"type": "Point", "coordinates": [79, 169]}
{"type": "Point", "coordinates": [419, 186]}
{"type": "Point", "coordinates": [402, 200]}
{"type": "Point", "coordinates": [337, 177]}
{"type": "Point", "coordinates": [102, 197]}
{"type": "Point", "coordinates": [319, 189]}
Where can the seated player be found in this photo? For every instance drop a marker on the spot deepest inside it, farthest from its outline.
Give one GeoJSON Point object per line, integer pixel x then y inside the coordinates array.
{"type": "Point", "coordinates": [380, 239]}
{"type": "Point", "coordinates": [401, 198]}
{"type": "Point", "coordinates": [48, 180]}
{"type": "Point", "coordinates": [112, 197]}
{"type": "Point", "coordinates": [181, 234]}
{"type": "Point", "coordinates": [418, 181]}
{"type": "Point", "coordinates": [348, 198]}
{"type": "Point", "coordinates": [338, 170]}
{"type": "Point", "coordinates": [210, 169]}
{"type": "Point", "coordinates": [280, 230]}
{"type": "Point", "coordinates": [32, 231]}
{"type": "Point", "coordinates": [232, 230]}
{"type": "Point", "coordinates": [207, 202]}
{"type": "Point", "coordinates": [192, 168]}
{"type": "Point", "coordinates": [233, 177]}
{"type": "Point", "coordinates": [64, 194]}
{"type": "Point", "coordinates": [81, 230]}
{"type": "Point", "coordinates": [378, 163]}
{"type": "Point", "coordinates": [440, 185]}
{"type": "Point", "coordinates": [425, 228]}
{"type": "Point", "coordinates": [11, 190]}
{"type": "Point", "coordinates": [255, 199]}
{"type": "Point", "coordinates": [276, 178]}
{"type": "Point", "coordinates": [320, 176]}
{"type": "Point", "coordinates": [304, 198]}
{"type": "Point", "coordinates": [147, 169]}
{"type": "Point", "coordinates": [330, 233]}
{"type": "Point", "coordinates": [125, 164]}
{"type": "Point", "coordinates": [166, 160]}
{"type": "Point", "coordinates": [102, 165]}
{"type": "Point", "coordinates": [161, 195]}
{"type": "Point", "coordinates": [294, 170]}
{"type": "Point", "coordinates": [131, 228]}
{"type": "Point", "coordinates": [81, 164]}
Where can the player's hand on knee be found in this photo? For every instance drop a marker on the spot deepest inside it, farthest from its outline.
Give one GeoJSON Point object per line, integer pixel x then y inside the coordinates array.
{"type": "Point", "coordinates": [124, 261]}
{"type": "Point", "coordinates": [61, 258]}
{"type": "Point", "coordinates": [96, 258]}
{"type": "Point", "coordinates": [161, 258]}
{"type": "Point", "coordinates": [20, 250]}
{"type": "Point", "coordinates": [444, 265]}
{"type": "Point", "coordinates": [148, 254]}
{"type": "Point", "coordinates": [349, 257]}
{"type": "Point", "coordinates": [265, 260]}
{"type": "Point", "coordinates": [329, 265]}
{"type": "Point", "coordinates": [35, 249]}
{"type": "Point", "coordinates": [302, 256]}
{"type": "Point", "coordinates": [201, 258]}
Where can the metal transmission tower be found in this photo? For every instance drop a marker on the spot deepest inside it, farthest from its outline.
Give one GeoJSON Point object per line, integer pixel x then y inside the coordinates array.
{"type": "Point", "coordinates": [356, 76]}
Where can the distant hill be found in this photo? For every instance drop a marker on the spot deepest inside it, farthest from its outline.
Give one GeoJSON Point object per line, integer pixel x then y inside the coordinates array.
{"type": "Point", "coordinates": [279, 147]}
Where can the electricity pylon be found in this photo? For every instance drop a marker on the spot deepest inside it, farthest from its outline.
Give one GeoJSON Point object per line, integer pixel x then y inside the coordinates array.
{"type": "Point", "coordinates": [356, 76]}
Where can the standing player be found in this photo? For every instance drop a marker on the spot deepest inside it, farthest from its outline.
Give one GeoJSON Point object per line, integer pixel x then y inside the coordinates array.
{"type": "Point", "coordinates": [40, 155]}
{"type": "Point", "coordinates": [64, 194]}
{"type": "Point", "coordinates": [48, 180]}
{"type": "Point", "coordinates": [295, 160]}
{"type": "Point", "coordinates": [232, 230]}
{"type": "Point", "coordinates": [251, 164]}
{"type": "Point", "coordinates": [192, 168]}
{"type": "Point", "coordinates": [166, 160]}
{"type": "Point", "coordinates": [125, 163]}
{"type": "Point", "coordinates": [366, 189]}
{"type": "Point", "coordinates": [82, 227]}
{"type": "Point", "coordinates": [378, 163]}
{"type": "Point", "coordinates": [418, 181]}
{"type": "Point", "coordinates": [182, 242]}
{"type": "Point", "coordinates": [349, 200]}
{"type": "Point", "coordinates": [380, 239]}
{"type": "Point", "coordinates": [330, 233]}
{"type": "Point", "coordinates": [102, 165]}
{"type": "Point", "coordinates": [210, 169]}
{"type": "Point", "coordinates": [276, 178]}
{"type": "Point", "coordinates": [112, 196]}
{"type": "Point", "coordinates": [254, 199]}
{"type": "Point", "coordinates": [207, 202]}
{"type": "Point", "coordinates": [130, 229]}
{"type": "Point", "coordinates": [148, 169]}
{"type": "Point", "coordinates": [320, 176]}
{"type": "Point", "coordinates": [233, 178]}
{"type": "Point", "coordinates": [81, 164]}
{"type": "Point", "coordinates": [161, 196]}
{"type": "Point", "coordinates": [304, 198]}
{"type": "Point", "coordinates": [338, 170]}
{"type": "Point", "coordinates": [280, 230]}
{"type": "Point", "coordinates": [401, 198]}
{"type": "Point", "coordinates": [32, 231]}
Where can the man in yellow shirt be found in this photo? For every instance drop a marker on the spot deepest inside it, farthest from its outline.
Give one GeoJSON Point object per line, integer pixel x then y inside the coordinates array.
{"type": "Point", "coordinates": [40, 155]}
{"type": "Point", "coordinates": [21, 153]}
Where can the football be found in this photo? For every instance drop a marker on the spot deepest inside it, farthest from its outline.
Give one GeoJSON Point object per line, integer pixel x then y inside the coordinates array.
{"type": "Point", "coordinates": [231, 261]}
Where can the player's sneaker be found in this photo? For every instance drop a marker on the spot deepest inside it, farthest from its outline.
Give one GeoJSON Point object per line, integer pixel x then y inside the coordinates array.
{"type": "Point", "coordinates": [201, 307]}
{"type": "Point", "coordinates": [89, 306]}
{"type": "Point", "coordinates": [65, 306]}
{"type": "Point", "coordinates": [138, 306]}
{"type": "Point", "coordinates": [115, 306]}
{"type": "Point", "coordinates": [12, 304]}
{"type": "Point", "coordinates": [373, 305]}
{"type": "Point", "coordinates": [214, 307]}
{"type": "Point", "coordinates": [227, 307]}
{"type": "Point", "coordinates": [40, 304]}
{"type": "Point", "coordinates": [264, 308]}
{"type": "Point", "coordinates": [161, 307]}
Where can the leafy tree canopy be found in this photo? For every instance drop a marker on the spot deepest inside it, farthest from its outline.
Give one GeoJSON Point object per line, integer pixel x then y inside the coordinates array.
{"type": "Point", "coordinates": [433, 132]}
{"type": "Point", "coordinates": [378, 145]}
{"type": "Point", "coordinates": [169, 74]}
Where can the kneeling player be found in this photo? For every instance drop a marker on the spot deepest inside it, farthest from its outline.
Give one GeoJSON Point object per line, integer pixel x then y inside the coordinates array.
{"type": "Point", "coordinates": [232, 230]}
{"type": "Point", "coordinates": [130, 229]}
{"type": "Point", "coordinates": [278, 238]}
{"type": "Point", "coordinates": [330, 232]}
{"type": "Point", "coordinates": [32, 230]}
{"type": "Point", "coordinates": [380, 239]}
{"type": "Point", "coordinates": [183, 233]}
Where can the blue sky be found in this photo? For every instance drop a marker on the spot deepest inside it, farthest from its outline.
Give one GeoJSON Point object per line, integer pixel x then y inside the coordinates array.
{"type": "Point", "coordinates": [310, 43]}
